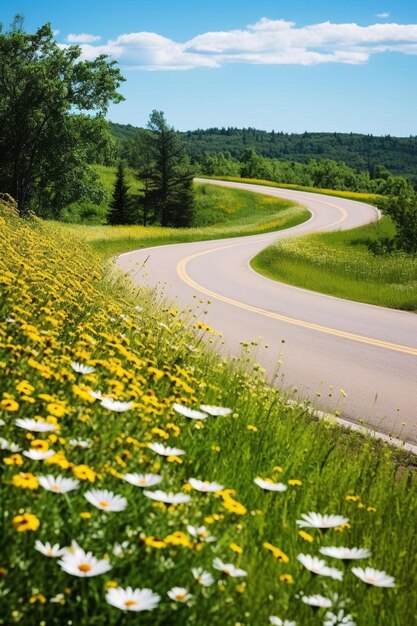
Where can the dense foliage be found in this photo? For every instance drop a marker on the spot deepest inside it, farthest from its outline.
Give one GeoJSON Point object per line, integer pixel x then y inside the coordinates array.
{"type": "Point", "coordinates": [361, 152]}
{"type": "Point", "coordinates": [46, 137]}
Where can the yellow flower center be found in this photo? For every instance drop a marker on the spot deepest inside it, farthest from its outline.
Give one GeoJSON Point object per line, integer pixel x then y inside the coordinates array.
{"type": "Point", "coordinates": [56, 488]}
{"type": "Point", "coordinates": [84, 567]}
{"type": "Point", "coordinates": [103, 503]}
{"type": "Point", "coordinates": [181, 596]}
{"type": "Point", "coordinates": [129, 603]}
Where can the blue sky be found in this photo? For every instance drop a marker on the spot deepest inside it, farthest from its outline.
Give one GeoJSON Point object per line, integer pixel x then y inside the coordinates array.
{"type": "Point", "coordinates": [289, 66]}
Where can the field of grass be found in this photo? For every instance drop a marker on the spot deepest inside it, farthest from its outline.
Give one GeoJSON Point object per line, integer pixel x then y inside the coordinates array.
{"type": "Point", "coordinates": [93, 374]}
{"type": "Point", "coordinates": [341, 264]}
{"type": "Point", "coordinates": [220, 213]}
{"type": "Point", "coordinates": [370, 198]}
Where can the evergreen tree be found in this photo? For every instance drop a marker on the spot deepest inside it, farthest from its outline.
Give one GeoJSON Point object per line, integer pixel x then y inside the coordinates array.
{"type": "Point", "coordinates": [167, 176]}
{"type": "Point", "coordinates": [120, 205]}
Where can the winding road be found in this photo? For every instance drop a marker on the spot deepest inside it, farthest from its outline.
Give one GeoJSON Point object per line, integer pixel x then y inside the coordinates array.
{"type": "Point", "coordinates": [357, 359]}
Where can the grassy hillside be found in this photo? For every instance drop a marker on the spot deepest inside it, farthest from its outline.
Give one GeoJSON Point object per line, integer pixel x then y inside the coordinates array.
{"type": "Point", "coordinates": [220, 212]}
{"type": "Point", "coordinates": [341, 264]}
{"type": "Point", "coordinates": [67, 329]}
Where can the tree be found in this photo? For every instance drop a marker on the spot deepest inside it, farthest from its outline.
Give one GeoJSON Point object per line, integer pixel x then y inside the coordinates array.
{"type": "Point", "coordinates": [46, 135]}
{"type": "Point", "coordinates": [167, 174]}
{"type": "Point", "coordinates": [402, 208]}
{"type": "Point", "coordinates": [120, 205]}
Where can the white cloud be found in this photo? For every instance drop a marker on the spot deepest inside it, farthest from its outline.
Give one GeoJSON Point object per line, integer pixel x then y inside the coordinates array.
{"type": "Point", "coordinates": [267, 42]}
{"type": "Point", "coordinates": [383, 16]}
{"type": "Point", "coordinates": [82, 38]}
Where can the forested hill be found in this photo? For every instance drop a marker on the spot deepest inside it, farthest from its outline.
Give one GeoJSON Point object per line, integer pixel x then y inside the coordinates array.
{"type": "Point", "coordinates": [361, 152]}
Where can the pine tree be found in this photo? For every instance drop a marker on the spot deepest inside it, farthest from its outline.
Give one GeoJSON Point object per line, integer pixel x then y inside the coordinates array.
{"type": "Point", "coordinates": [168, 176]}
{"type": "Point", "coordinates": [120, 205]}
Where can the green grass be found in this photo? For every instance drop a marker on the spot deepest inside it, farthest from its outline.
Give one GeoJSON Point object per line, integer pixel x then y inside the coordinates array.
{"type": "Point", "coordinates": [107, 175]}
{"type": "Point", "coordinates": [220, 213]}
{"type": "Point", "coordinates": [65, 307]}
{"type": "Point", "coordinates": [370, 198]}
{"type": "Point", "coordinates": [340, 264]}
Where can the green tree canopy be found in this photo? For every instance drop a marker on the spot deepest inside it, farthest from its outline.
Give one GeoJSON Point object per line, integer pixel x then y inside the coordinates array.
{"type": "Point", "coordinates": [46, 134]}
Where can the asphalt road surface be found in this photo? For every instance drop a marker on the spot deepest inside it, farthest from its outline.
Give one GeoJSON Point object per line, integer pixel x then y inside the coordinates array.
{"type": "Point", "coordinates": [358, 359]}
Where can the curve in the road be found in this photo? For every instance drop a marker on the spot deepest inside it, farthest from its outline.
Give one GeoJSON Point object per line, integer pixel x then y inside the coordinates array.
{"type": "Point", "coordinates": [182, 273]}
{"type": "Point", "coordinates": [325, 343]}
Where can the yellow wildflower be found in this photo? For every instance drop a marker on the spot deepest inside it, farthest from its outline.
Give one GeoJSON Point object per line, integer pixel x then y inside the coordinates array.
{"type": "Point", "coordinates": [25, 481]}
{"type": "Point", "coordinates": [154, 542]}
{"type": "Point", "coordinates": [178, 539]}
{"type": "Point", "coordinates": [25, 522]}
{"type": "Point", "coordinates": [286, 578]}
{"type": "Point", "coordinates": [277, 468]}
{"type": "Point", "coordinates": [276, 552]}
{"type": "Point", "coordinates": [236, 548]}
{"type": "Point", "coordinates": [7, 404]}
{"type": "Point", "coordinates": [85, 515]}
{"type": "Point", "coordinates": [14, 459]}
{"type": "Point", "coordinates": [40, 445]}
{"type": "Point", "coordinates": [294, 482]}
{"type": "Point", "coordinates": [38, 597]}
{"type": "Point", "coordinates": [83, 472]}
{"type": "Point", "coordinates": [252, 428]}
{"type": "Point", "coordinates": [305, 536]}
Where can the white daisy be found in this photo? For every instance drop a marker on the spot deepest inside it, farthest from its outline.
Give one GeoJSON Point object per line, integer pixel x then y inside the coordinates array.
{"type": "Point", "coordinates": [80, 443]}
{"type": "Point", "coordinates": [162, 450]}
{"type": "Point", "coordinates": [116, 405]}
{"type": "Point", "coordinates": [80, 563]}
{"type": "Point", "coordinates": [338, 619]}
{"type": "Point", "coordinates": [10, 320]}
{"type": "Point", "coordinates": [49, 550]}
{"type": "Point", "coordinates": [35, 426]}
{"type": "Point", "coordinates": [179, 594]}
{"type": "Point", "coordinates": [132, 599]}
{"type": "Point", "coordinates": [201, 533]}
{"type": "Point", "coordinates": [8, 445]}
{"type": "Point", "coordinates": [345, 554]}
{"type": "Point", "coordinates": [319, 567]}
{"type": "Point", "coordinates": [228, 568]}
{"type": "Point", "coordinates": [204, 486]}
{"type": "Point", "coordinates": [317, 600]}
{"type": "Point", "coordinates": [268, 485]}
{"type": "Point", "coordinates": [374, 577]}
{"type": "Point", "coordinates": [190, 413]}
{"type": "Point", "coordinates": [167, 498]}
{"type": "Point", "coordinates": [316, 520]}
{"type": "Point", "coordinates": [38, 455]}
{"type": "Point", "coordinates": [276, 621]}
{"type": "Point", "coordinates": [80, 368]}
{"type": "Point", "coordinates": [58, 484]}
{"type": "Point", "coordinates": [215, 411]}
{"type": "Point", "coordinates": [143, 480]}
{"type": "Point", "coordinates": [201, 577]}
{"type": "Point", "coordinates": [105, 500]}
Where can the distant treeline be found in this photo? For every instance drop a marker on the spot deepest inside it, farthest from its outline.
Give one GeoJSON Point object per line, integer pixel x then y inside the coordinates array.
{"type": "Point", "coordinates": [363, 153]}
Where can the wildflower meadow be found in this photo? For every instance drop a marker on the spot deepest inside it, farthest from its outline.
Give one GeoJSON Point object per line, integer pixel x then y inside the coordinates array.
{"type": "Point", "coordinates": [147, 480]}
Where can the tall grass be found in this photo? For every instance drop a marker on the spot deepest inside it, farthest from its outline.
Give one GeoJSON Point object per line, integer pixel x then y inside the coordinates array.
{"type": "Point", "coordinates": [58, 308]}
{"type": "Point", "coordinates": [341, 264]}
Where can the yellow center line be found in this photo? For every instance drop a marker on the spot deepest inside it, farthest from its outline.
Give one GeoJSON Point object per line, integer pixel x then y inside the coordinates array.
{"type": "Point", "coordinates": [378, 343]}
